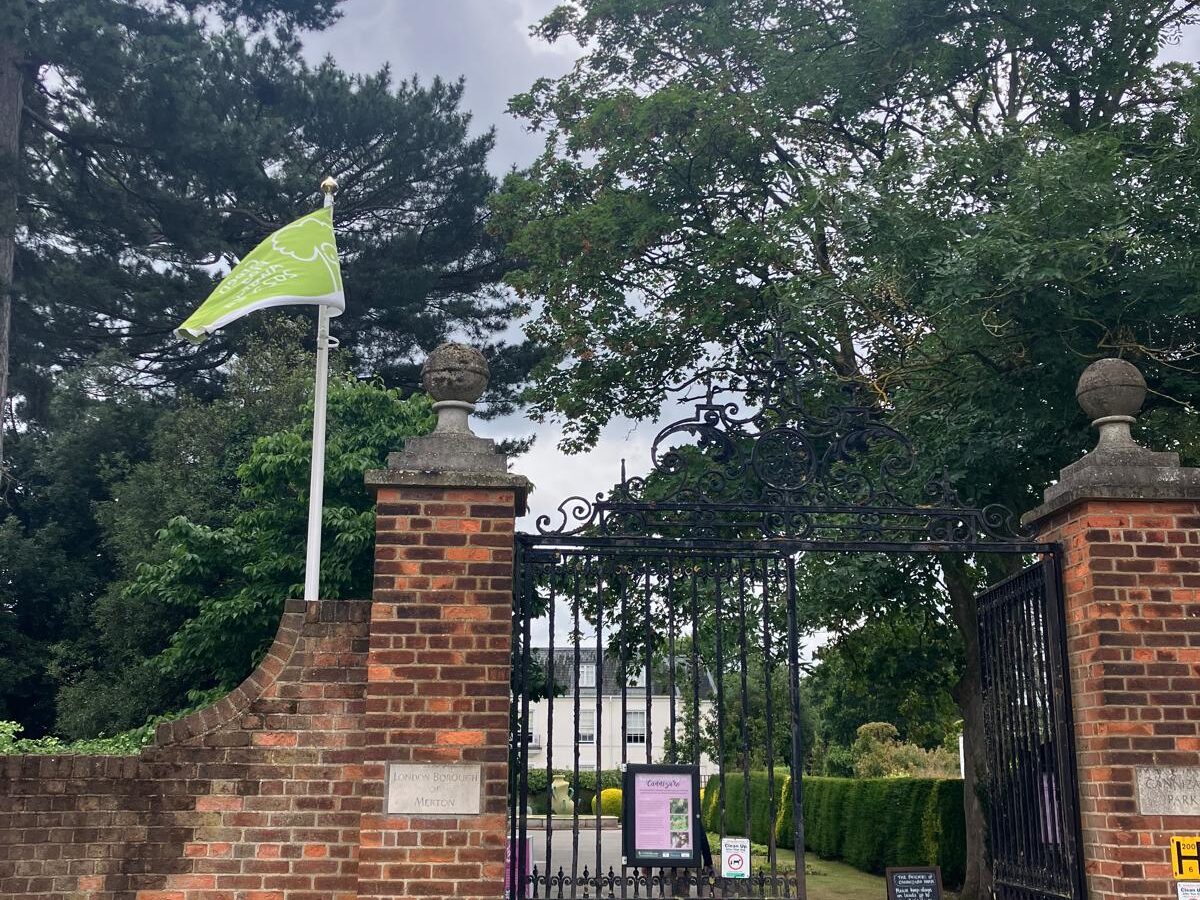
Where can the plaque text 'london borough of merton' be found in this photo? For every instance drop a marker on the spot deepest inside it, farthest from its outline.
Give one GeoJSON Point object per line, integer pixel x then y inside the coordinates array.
{"type": "Point", "coordinates": [433, 789]}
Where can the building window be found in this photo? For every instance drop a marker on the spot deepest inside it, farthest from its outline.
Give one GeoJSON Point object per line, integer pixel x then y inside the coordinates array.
{"type": "Point", "coordinates": [635, 726]}
{"type": "Point", "coordinates": [586, 732]}
{"type": "Point", "coordinates": [638, 678]}
{"type": "Point", "coordinates": [587, 675]}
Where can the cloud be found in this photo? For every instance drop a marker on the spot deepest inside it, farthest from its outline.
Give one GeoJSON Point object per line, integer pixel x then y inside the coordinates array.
{"type": "Point", "coordinates": [485, 41]}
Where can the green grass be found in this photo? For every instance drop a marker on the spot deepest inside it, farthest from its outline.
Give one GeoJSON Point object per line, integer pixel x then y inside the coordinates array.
{"type": "Point", "coordinates": [838, 881]}
{"type": "Point", "coordinates": [826, 880]}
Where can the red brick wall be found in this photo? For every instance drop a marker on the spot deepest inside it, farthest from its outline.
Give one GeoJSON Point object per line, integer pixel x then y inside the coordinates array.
{"type": "Point", "coordinates": [438, 684]}
{"type": "Point", "coordinates": [254, 798]}
{"type": "Point", "coordinates": [277, 791]}
{"type": "Point", "coordinates": [1132, 599]}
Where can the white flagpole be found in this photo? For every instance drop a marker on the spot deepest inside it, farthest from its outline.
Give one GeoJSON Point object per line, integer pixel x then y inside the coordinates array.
{"type": "Point", "coordinates": [316, 483]}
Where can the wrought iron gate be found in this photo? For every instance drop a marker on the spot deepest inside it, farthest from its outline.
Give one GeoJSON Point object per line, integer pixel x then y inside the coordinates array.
{"type": "Point", "coordinates": [661, 645]}
{"type": "Point", "coordinates": [647, 622]}
{"type": "Point", "coordinates": [1033, 803]}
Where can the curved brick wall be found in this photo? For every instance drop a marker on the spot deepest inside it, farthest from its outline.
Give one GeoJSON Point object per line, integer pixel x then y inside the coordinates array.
{"type": "Point", "coordinates": [254, 798]}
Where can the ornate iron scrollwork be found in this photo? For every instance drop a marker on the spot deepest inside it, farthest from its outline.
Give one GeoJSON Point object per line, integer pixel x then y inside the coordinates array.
{"type": "Point", "coordinates": [778, 449]}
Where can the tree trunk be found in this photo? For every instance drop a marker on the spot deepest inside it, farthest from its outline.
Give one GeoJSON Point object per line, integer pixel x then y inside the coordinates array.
{"type": "Point", "coordinates": [968, 695]}
{"type": "Point", "coordinates": [10, 133]}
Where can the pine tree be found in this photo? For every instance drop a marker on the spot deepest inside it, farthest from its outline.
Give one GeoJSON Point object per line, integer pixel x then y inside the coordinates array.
{"type": "Point", "coordinates": [160, 140]}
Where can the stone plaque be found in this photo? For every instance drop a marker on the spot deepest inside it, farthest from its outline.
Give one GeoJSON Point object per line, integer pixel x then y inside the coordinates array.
{"type": "Point", "coordinates": [433, 789]}
{"type": "Point", "coordinates": [1168, 790]}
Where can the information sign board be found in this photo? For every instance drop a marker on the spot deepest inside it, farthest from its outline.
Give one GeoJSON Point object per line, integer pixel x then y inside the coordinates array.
{"type": "Point", "coordinates": [914, 883]}
{"type": "Point", "coordinates": [661, 817]}
{"type": "Point", "coordinates": [735, 857]}
{"type": "Point", "coordinates": [1187, 890]}
{"type": "Point", "coordinates": [1185, 856]}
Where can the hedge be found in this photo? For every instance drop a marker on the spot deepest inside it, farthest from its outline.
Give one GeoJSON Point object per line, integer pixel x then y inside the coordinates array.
{"type": "Point", "coordinates": [870, 823]}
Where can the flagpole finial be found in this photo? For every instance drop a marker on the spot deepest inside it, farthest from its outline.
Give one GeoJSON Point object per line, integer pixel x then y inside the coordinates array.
{"type": "Point", "coordinates": [329, 185]}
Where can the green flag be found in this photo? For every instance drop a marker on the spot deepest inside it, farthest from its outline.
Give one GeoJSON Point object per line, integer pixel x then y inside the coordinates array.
{"type": "Point", "coordinates": [296, 264]}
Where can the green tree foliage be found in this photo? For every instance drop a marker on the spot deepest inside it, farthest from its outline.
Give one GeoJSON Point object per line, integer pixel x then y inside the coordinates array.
{"type": "Point", "coordinates": [158, 142]}
{"type": "Point", "coordinates": [53, 562]}
{"type": "Point", "coordinates": [197, 447]}
{"type": "Point", "coordinates": [158, 145]}
{"type": "Point", "coordinates": [185, 465]}
{"type": "Point", "coordinates": [217, 591]}
{"type": "Point", "coordinates": [734, 727]}
{"type": "Point", "coordinates": [899, 667]}
{"type": "Point", "coordinates": [934, 196]}
{"type": "Point", "coordinates": [954, 207]}
{"type": "Point", "coordinates": [879, 753]}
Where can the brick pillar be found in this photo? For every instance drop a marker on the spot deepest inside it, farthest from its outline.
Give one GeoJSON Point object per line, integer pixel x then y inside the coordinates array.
{"type": "Point", "coordinates": [1128, 521]}
{"type": "Point", "coordinates": [437, 694]}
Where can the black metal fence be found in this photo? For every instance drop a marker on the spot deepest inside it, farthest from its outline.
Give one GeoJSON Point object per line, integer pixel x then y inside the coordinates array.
{"type": "Point", "coordinates": [665, 655]}
{"type": "Point", "coordinates": [1032, 801]}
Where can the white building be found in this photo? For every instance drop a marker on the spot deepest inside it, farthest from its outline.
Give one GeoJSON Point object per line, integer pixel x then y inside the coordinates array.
{"type": "Point", "coordinates": [637, 737]}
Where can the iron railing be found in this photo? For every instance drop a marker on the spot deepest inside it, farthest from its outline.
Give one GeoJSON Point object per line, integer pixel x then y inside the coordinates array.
{"type": "Point", "coordinates": [1032, 799]}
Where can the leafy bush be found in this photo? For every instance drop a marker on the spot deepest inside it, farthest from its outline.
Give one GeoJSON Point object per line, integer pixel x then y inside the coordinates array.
{"type": "Point", "coordinates": [839, 762]}
{"type": "Point", "coordinates": [878, 752]}
{"type": "Point", "coordinates": [127, 743]}
{"type": "Point", "coordinates": [611, 802]}
{"type": "Point", "coordinates": [868, 823]}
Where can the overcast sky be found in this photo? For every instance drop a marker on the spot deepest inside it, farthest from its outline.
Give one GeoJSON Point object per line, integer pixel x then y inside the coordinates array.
{"type": "Point", "coordinates": [487, 42]}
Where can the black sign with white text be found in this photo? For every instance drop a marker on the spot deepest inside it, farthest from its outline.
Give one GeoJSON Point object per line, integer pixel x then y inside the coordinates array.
{"type": "Point", "coordinates": [914, 883]}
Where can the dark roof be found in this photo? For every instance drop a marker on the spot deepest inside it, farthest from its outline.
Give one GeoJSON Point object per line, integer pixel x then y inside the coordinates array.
{"type": "Point", "coordinates": [564, 673]}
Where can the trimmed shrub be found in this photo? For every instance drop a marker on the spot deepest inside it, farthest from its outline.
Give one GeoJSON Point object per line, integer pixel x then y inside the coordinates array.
{"type": "Point", "coordinates": [611, 802]}
{"type": "Point", "coordinates": [870, 823]}
{"type": "Point", "coordinates": [759, 828]}
{"type": "Point", "coordinates": [945, 830]}
{"type": "Point", "coordinates": [609, 778]}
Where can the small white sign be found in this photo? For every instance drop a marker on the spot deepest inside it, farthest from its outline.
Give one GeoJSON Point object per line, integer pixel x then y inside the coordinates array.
{"type": "Point", "coordinates": [433, 789]}
{"type": "Point", "coordinates": [735, 857]}
{"type": "Point", "coordinates": [1187, 890]}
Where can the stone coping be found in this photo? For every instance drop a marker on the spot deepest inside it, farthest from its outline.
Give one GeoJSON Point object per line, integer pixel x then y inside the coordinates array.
{"type": "Point", "coordinates": [1154, 483]}
{"type": "Point", "coordinates": [518, 484]}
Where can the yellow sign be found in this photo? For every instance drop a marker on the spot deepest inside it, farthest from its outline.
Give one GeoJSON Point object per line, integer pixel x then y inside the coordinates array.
{"type": "Point", "coordinates": [1185, 857]}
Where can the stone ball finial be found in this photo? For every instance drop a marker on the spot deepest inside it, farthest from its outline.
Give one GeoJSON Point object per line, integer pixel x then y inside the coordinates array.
{"type": "Point", "coordinates": [1111, 388]}
{"type": "Point", "coordinates": [455, 372]}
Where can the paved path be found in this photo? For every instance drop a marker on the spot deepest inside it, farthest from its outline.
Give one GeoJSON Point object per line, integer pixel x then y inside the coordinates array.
{"type": "Point", "coordinates": [561, 846]}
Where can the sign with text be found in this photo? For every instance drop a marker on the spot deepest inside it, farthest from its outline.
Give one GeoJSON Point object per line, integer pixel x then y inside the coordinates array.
{"type": "Point", "coordinates": [1187, 890]}
{"type": "Point", "coordinates": [1185, 856]}
{"type": "Point", "coordinates": [1167, 790]}
{"type": "Point", "coordinates": [914, 883]}
{"type": "Point", "coordinates": [433, 789]}
{"type": "Point", "coordinates": [661, 818]}
{"type": "Point", "coordinates": [735, 857]}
